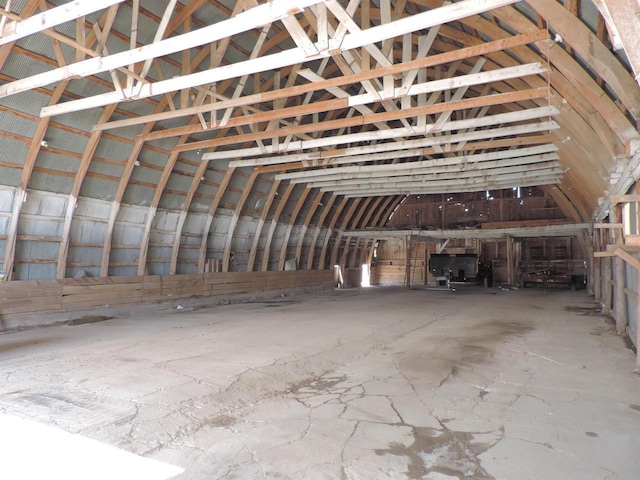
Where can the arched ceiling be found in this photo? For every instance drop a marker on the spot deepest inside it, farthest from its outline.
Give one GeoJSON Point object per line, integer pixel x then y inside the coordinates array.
{"type": "Point", "coordinates": [324, 112]}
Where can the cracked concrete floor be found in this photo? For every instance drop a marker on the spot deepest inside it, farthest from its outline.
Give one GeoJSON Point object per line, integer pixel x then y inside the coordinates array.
{"type": "Point", "coordinates": [353, 384]}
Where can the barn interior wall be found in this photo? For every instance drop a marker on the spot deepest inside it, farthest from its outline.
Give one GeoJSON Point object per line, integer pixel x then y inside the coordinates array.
{"type": "Point", "coordinates": [463, 210]}
{"type": "Point", "coordinates": [557, 254]}
{"type": "Point", "coordinates": [77, 297]}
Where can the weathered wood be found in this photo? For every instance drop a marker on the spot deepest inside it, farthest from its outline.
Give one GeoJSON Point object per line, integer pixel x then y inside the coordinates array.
{"type": "Point", "coordinates": [526, 223]}
{"type": "Point", "coordinates": [292, 219]}
{"type": "Point", "coordinates": [318, 229]}
{"type": "Point", "coordinates": [497, 99]}
{"type": "Point", "coordinates": [226, 258]}
{"type": "Point", "coordinates": [358, 100]}
{"type": "Point", "coordinates": [226, 28]}
{"type": "Point", "coordinates": [633, 197]}
{"type": "Point", "coordinates": [272, 227]}
{"type": "Point", "coordinates": [20, 195]}
{"type": "Point", "coordinates": [591, 49]}
{"type": "Point", "coordinates": [202, 253]}
{"type": "Point", "coordinates": [50, 18]}
{"type": "Point", "coordinates": [620, 301]}
{"type": "Point", "coordinates": [337, 82]}
{"type": "Point", "coordinates": [608, 225]}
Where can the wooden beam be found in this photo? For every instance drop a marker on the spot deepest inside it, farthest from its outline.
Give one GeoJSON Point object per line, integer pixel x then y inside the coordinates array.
{"type": "Point", "coordinates": [625, 198]}
{"type": "Point", "coordinates": [266, 13]}
{"type": "Point", "coordinates": [480, 172]}
{"type": "Point", "coordinates": [202, 253]}
{"type": "Point", "coordinates": [305, 225]}
{"type": "Point", "coordinates": [512, 178]}
{"type": "Point", "coordinates": [234, 219]}
{"type": "Point", "coordinates": [318, 229]}
{"type": "Point", "coordinates": [498, 99]}
{"type": "Point", "coordinates": [197, 180]}
{"type": "Point", "coordinates": [274, 61]}
{"type": "Point", "coordinates": [473, 161]}
{"type": "Point", "coordinates": [272, 227]}
{"type": "Point", "coordinates": [292, 220]}
{"type": "Point", "coordinates": [608, 225]}
{"type": "Point", "coordinates": [563, 230]}
{"type": "Point", "coordinates": [327, 84]}
{"type": "Point", "coordinates": [81, 173]}
{"type": "Point", "coordinates": [433, 140]}
{"type": "Point", "coordinates": [475, 186]}
{"type": "Point", "coordinates": [355, 101]}
{"type": "Point", "coordinates": [340, 233]}
{"type": "Point", "coordinates": [20, 195]}
{"type": "Point", "coordinates": [594, 53]}
{"type": "Point", "coordinates": [620, 300]}
{"type": "Point", "coordinates": [271, 195]}
{"type": "Point", "coordinates": [624, 25]}
{"type": "Point", "coordinates": [353, 224]}
{"type": "Point", "coordinates": [50, 18]}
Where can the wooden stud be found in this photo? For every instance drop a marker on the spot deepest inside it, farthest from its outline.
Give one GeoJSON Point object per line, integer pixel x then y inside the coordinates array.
{"type": "Point", "coordinates": [620, 301]}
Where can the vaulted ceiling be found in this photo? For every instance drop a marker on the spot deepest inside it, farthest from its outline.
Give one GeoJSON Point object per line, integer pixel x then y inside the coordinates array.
{"type": "Point", "coordinates": [332, 111]}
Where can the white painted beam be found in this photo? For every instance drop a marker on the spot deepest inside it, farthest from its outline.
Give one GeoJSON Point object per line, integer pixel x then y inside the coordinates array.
{"type": "Point", "coordinates": [50, 18]}
{"type": "Point", "coordinates": [461, 162]}
{"type": "Point", "coordinates": [452, 182]}
{"type": "Point", "coordinates": [560, 230]}
{"type": "Point", "coordinates": [517, 173]}
{"type": "Point", "coordinates": [444, 167]}
{"type": "Point", "coordinates": [263, 14]}
{"type": "Point", "coordinates": [497, 166]}
{"type": "Point", "coordinates": [474, 187]}
{"type": "Point", "coordinates": [436, 16]}
{"type": "Point", "coordinates": [488, 120]}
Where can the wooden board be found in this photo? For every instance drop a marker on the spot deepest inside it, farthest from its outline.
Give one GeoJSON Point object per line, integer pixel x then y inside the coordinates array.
{"type": "Point", "coordinates": [56, 296]}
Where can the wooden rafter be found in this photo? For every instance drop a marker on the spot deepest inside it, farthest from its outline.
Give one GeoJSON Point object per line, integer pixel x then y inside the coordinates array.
{"type": "Point", "coordinates": [16, 30]}
{"type": "Point", "coordinates": [285, 58]}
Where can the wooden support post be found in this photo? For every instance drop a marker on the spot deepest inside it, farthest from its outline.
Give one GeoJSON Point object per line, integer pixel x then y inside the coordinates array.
{"type": "Point", "coordinates": [620, 301]}
{"type": "Point", "coordinates": [510, 262]}
{"type": "Point", "coordinates": [597, 267]}
{"type": "Point", "coordinates": [407, 262]}
{"type": "Point", "coordinates": [608, 287]}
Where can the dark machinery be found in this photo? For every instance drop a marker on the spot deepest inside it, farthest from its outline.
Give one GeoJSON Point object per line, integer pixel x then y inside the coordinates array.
{"type": "Point", "coordinates": [460, 268]}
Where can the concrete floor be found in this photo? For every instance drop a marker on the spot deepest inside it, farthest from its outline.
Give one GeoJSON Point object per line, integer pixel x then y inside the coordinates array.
{"type": "Point", "coordinates": [352, 384]}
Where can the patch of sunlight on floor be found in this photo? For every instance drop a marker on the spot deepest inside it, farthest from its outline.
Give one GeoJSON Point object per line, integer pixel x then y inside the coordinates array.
{"type": "Point", "coordinates": [30, 450]}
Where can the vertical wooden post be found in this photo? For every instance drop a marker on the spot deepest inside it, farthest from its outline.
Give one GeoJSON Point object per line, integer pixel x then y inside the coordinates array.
{"type": "Point", "coordinates": [510, 279]}
{"type": "Point", "coordinates": [407, 256]}
{"type": "Point", "coordinates": [608, 287]}
{"type": "Point", "coordinates": [620, 301]}
{"type": "Point", "coordinates": [597, 264]}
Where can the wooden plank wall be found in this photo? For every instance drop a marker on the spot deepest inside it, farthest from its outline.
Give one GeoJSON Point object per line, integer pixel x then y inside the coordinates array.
{"type": "Point", "coordinates": [58, 296]}
{"type": "Point", "coordinates": [466, 209]}
{"type": "Point", "coordinates": [388, 274]}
